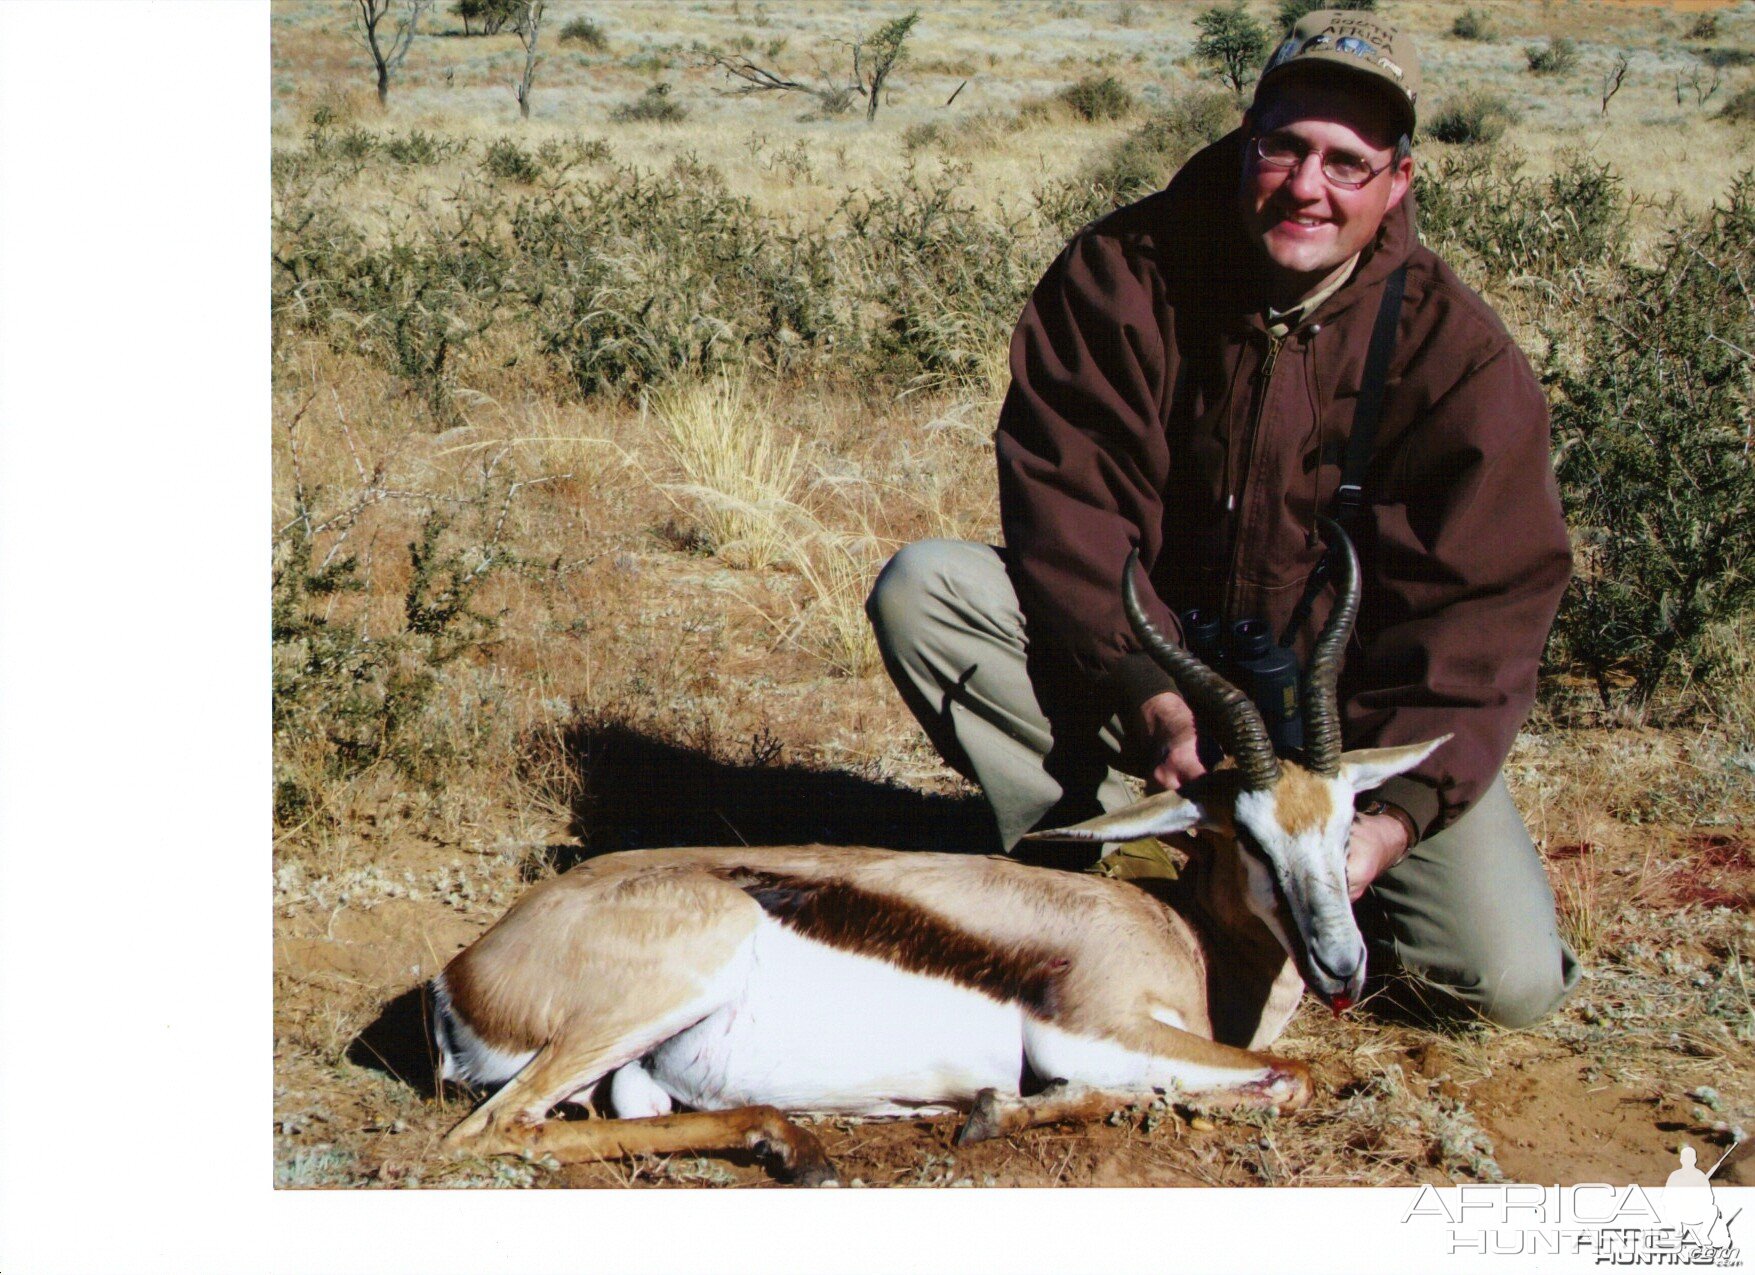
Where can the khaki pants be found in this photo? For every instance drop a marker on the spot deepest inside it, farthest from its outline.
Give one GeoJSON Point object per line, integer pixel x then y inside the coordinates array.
{"type": "Point", "coordinates": [1467, 920]}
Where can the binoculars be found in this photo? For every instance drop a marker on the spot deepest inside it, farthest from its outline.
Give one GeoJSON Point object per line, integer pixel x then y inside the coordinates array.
{"type": "Point", "coordinates": [1245, 654]}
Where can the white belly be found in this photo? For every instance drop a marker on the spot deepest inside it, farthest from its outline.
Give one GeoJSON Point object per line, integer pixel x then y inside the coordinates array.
{"type": "Point", "coordinates": [818, 1029]}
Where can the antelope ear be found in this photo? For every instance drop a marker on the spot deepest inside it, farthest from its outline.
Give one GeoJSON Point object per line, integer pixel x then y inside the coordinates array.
{"type": "Point", "coordinates": [1157, 816]}
{"type": "Point", "coordinates": [1365, 768]}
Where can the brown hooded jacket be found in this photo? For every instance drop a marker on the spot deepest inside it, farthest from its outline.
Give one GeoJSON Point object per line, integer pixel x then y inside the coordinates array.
{"type": "Point", "coordinates": [1150, 406]}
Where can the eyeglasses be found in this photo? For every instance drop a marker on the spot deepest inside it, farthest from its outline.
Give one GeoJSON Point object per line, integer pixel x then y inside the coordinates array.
{"type": "Point", "coordinates": [1342, 169]}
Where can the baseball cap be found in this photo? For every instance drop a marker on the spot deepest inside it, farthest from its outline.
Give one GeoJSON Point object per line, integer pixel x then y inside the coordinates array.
{"type": "Point", "coordinates": [1349, 40]}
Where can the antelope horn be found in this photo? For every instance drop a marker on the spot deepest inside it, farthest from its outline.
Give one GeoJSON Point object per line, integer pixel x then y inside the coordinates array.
{"type": "Point", "coordinates": [1214, 700]}
{"type": "Point", "coordinates": [1322, 710]}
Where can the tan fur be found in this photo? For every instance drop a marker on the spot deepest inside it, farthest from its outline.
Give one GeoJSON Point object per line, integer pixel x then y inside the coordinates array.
{"type": "Point", "coordinates": [597, 967]}
{"type": "Point", "coordinates": [1302, 802]}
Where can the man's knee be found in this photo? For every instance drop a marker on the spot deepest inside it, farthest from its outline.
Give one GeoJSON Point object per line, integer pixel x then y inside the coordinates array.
{"type": "Point", "coordinates": [1510, 985]}
{"type": "Point", "coordinates": [915, 592]}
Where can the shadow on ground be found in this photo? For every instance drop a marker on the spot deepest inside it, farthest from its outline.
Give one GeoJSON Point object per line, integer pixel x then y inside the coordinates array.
{"type": "Point", "coordinates": [633, 791]}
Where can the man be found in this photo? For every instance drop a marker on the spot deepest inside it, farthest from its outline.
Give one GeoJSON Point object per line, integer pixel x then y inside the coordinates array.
{"type": "Point", "coordinates": [1185, 380]}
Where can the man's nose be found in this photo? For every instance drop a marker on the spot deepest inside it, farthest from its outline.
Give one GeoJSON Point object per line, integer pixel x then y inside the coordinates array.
{"type": "Point", "coordinates": [1306, 181]}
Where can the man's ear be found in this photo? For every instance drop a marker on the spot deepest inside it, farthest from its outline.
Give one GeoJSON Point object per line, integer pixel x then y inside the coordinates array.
{"type": "Point", "coordinates": [1400, 181]}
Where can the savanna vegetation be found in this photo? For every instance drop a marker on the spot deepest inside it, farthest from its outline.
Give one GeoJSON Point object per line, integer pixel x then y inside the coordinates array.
{"type": "Point", "coordinates": [591, 429]}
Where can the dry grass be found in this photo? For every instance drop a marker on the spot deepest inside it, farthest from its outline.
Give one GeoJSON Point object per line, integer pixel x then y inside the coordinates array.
{"type": "Point", "coordinates": [689, 564]}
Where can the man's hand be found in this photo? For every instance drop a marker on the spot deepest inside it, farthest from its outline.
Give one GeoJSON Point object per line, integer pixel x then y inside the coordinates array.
{"type": "Point", "coordinates": [1377, 844]}
{"type": "Point", "coordinates": [1164, 728]}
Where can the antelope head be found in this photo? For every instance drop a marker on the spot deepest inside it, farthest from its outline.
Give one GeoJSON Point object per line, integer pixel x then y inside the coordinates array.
{"type": "Point", "coordinates": [1289, 817]}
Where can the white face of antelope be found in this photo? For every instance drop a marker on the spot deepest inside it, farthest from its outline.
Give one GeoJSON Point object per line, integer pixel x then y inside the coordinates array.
{"type": "Point", "coordinates": [1293, 839]}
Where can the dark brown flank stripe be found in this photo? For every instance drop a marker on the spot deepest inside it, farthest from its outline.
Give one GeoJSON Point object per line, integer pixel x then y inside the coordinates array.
{"type": "Point", "coordinates": [843, 916]}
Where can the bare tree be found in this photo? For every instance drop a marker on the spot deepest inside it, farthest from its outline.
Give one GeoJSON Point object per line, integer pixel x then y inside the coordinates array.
{"type": "Point", "coordinates": [1612, 79]}
{"type": "Point", "coordinates": [877, 55]}
{"type": "Point", "coordinates": [529, 27]}
{"type": "Point", "coordinates": [832, 98]}
{"type": "Point", "coordinates": [387, 50]}
{"type": "Point", "coordinates": [874, 57]}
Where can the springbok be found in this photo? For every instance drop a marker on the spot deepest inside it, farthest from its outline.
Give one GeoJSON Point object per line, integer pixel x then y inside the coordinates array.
{"type": "Point", "coordinates": [743, 982]}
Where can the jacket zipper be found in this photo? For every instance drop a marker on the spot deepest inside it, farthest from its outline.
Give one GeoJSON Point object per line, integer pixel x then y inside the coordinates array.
{"type": "Point", "coordinates": [1234, 500]}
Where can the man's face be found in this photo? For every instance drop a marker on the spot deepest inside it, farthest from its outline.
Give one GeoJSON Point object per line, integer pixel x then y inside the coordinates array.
{"type": "Point", "coordinates": [1305, 224]}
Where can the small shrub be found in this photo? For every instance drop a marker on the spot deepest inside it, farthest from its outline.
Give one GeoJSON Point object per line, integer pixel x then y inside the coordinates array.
{"type": "Point", "coordinates": [1556, 57]}
{"type": "Point", "coordinates": [1741, 108]}
{"type": "Point", "coordinates": [1471, 119]}
{"type": "Point", "coordinates": [1721, 58]}
{"type": "Point", "coordinates": [655, 106]}
{"type": "Point", "coordinates": [918, 137]}
{"type": "Point", "coordinates": [1705, 27]}
{"type": "Point", "coordinates": [506, 160]}
{"type": "Point", "coordinates": [1143, 161]}
{"type": "Point", "coordinates": [1472, 24]}
{"type": "Point", "coordinates": [1232, 42]}
{"type": "Point", "coordinates": [1290, 11]}
{"type": "Point", "coordinates": [586, 32]}
{"type": "Point", "coordinates": [419, 150]}
{"type": "Point", "coordinates": [1099, 98]}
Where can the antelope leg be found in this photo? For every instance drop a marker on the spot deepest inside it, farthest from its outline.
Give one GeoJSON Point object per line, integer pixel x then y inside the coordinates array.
{"type": "Point", "coordinates": [1286, 1088]}
{"type": "Point", "coordinates": [995, 1115]}
{"type": "Point", "coordinates": [797, 1151]}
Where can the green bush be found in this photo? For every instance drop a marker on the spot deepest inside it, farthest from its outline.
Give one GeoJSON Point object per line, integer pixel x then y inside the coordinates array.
{"type": "Point", "coordinates": [586, 32]}
{"type": "Point", "coordinates": [1556, 57]}
{"type": "Point", "coordinates": [1098, 98]}
{"type": "Point", "coordinates": [507, 160]}
{"type": "Point", "coordinates": [1475, 203]}
{"type": "Point", "coordinates": [357, 698]}
{"type": "Point", "coordinates": [417, 149]}
{"type": "Point", "coordinates": [1472, 24]}
{"type": "Point", "coordinates": [1475, 117]}
{"type": "Point", "coordinates": [1652, 427]}
{"type": "Point", "coordinates": [1705, 27]}
{"type": "Point", "coordinates": [655, 106]}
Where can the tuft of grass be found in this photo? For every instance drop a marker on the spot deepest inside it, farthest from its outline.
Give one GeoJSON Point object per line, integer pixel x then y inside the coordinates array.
{"type": "Point", "coordinates": [1558, 56]}
{"type": "Point", "coordinates": [739, 477]}
{"type": "Point", "coordinates": [838, 568]}
{"type": "Point", "coordinates": [654, 106]}
{"type": "Point", "coordinates": [1099, 98]}
{"type": "Point", "coordinates": [1475, 118]}
{"type": "Point", "coordinates": [1472, 24]}
{"type": "Point", "coordinates": [583, 30]}
{"type": "Point", "coordinates": [1740, 109]}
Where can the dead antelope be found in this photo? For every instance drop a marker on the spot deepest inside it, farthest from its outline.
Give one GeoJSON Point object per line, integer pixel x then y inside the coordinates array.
{"type": "Point", "coordinates": [746, 982]}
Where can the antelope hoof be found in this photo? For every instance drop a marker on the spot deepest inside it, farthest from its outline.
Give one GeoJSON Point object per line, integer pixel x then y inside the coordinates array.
{"type": "Point", "coordinates": [984, 1120]}
{"type": "Point", "coordinates": [1288, 1086]}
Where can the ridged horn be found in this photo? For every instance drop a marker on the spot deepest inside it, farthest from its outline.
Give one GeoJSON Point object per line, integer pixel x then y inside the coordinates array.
{"type": "Point", "coordinates": [1217, 703]}
{"type": "Point", "coordinates": [1321, 704]}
